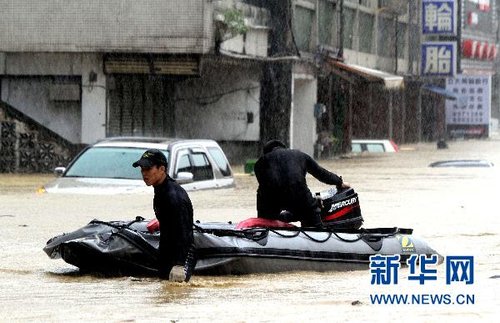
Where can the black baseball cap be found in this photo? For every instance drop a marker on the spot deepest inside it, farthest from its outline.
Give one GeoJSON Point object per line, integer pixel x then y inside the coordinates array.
{"type": "Point", "coordinates": [150, 158]}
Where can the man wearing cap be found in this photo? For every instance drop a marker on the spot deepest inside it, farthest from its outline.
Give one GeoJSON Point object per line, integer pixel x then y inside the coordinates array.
{"type": "Point", "coordinates": [283, 193]}
{"type": "Point", "coordinates": [174, 212]}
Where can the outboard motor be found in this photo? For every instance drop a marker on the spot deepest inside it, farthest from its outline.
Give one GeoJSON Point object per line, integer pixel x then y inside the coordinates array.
{"type": "Point", "coordinates": [340, 210]}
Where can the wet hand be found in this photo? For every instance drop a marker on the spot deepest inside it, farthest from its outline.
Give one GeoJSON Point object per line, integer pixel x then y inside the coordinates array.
{"type": "Point", "coordinates": [343, 186]}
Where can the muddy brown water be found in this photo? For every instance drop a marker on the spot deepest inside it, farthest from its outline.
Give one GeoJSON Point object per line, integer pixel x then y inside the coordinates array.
{"type": "Point", "coordinates": [456, 210]}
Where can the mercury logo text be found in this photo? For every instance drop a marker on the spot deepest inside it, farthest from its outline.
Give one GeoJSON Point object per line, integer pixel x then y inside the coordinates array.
{"type": "Point", "coordinates": [339, 205]}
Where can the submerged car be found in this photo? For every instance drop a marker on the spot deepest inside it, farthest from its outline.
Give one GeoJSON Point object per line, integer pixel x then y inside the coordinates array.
{"type": "Point", "coordinates": [106, 166]}
{"type": "Point", "coordinates": [462, 163]}
{"type": "Point", "coordinates": [374, 146]}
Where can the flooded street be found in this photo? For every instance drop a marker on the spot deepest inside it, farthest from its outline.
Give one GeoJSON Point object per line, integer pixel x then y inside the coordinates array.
{"type": "Point", "coordinates": [454, 209]}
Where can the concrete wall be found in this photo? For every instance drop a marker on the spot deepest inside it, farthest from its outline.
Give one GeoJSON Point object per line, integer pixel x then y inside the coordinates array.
{"type": "Point", "coordinates": [31, 96]}
{"type": "Point", "coordinates": [104, 26]}
{"type": "Point", "coordinates": [93, 106]}
{"type": "Point", "coordinates": [303, 123]}
{"type": "Point", "coordinates": [223, 104]}
{"type": "Point", "coordinates": [54, 89]}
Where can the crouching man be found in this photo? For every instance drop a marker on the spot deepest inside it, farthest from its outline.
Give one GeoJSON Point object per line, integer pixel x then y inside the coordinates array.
{"type": "Point", "coordinates": [283, 193]}
{"type": "Point", "coordinates": [174, 212]}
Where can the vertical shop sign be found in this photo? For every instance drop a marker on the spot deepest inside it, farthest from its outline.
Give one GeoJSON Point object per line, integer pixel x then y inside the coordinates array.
{"type": "Point", "coordinates": [439, 17]}
{"type": "Point", "coordinates": [439, 59]}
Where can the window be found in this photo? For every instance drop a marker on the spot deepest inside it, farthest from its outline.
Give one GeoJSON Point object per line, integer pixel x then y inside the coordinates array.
{"type": "Point", "coordinates": [108, 162]}
{"type": "Point", "coordinates": [184, 164]}
{"type": "Point", "coordinates": [220, 160]}
{"type": "Point", "coordinates": [386, 37]}
{"type": "Point", "coordinates": [326, 12]}
{"type": "Point", "coordinates": [349, 16]}
{"type": "Point", "coordinates": [375, 148]}
{"type": "Point", "coordinates": [196, 163]}
{"type": "Point", "coordinates": [302, 27]}
{"type": "Point", "coordinates": [401, 39]}
{"type": "Point", "coordinates": [366, 23]}
{"type": "Point", "coordinates": [356, 148]}
{"type": "Point", "coordinates": [202, 170]}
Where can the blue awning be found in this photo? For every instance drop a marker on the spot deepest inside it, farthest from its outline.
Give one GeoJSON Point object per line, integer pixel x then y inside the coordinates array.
{"type": "Point", "coordinates": [449, 95]}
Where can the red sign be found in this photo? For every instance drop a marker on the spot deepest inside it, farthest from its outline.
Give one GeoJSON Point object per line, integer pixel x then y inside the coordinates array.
{"type": "Point", "coordinates": [475, 49]}
{"type": "Point", "coordinates": [469, 48]}
{"type": "Point", "coordinates": [492, 52]}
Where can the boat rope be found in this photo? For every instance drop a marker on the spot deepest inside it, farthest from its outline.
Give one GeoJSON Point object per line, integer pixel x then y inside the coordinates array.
{"type": "Point", "coordinates": [121, 224]}
{"type": "Point", "coordinates": [256, 234]}
{"type": "Point", "coordinates": [316, 240]}
{"type": "Point", "coordinates": [360, 236]}
{"type": "Point", "coordinates": [293, 235]}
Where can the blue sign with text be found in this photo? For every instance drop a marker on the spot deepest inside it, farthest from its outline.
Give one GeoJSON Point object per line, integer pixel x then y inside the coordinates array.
{"type": "Point", "coordinates": [439, 59]}
{"type": "Point", "coordinates": [439, 17]}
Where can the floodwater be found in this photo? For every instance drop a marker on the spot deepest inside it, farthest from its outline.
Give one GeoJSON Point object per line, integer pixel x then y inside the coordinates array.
{"type": "Point", "coordinates": [455, 210]}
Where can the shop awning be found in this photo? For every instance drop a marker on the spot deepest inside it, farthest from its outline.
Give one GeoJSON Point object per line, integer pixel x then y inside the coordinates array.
{"type": "Point", "coordinates": [447, 94]}
{"type": "Point", "coordinates": [353, 73]}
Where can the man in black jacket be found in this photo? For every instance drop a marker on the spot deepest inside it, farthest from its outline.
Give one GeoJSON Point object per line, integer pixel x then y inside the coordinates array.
{"type": "Point", "coordinates": [283, 193]}
{"type": "Point", "coordinates": [174, 212]}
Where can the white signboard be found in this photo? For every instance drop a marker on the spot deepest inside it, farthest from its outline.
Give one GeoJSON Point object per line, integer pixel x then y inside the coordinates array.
{"type": "Point", "coordinates": [474, 104]}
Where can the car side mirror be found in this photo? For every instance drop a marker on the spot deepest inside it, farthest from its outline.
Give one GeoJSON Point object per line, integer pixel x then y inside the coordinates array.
{"type": "Point", "coordinates": [58, 171]}
{"type": "Point", "coordinates": [184, 177]}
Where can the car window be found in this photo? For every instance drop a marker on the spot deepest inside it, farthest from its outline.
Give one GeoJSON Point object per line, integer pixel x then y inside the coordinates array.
{"type": "Point", "coordinates": [202, 169]}
{"type": "Point", "coordinates": [375, 148]}
{"type": "Point", "coordinates": [197, 163]}
{"type": "Point", "coordinates": [220, 160]}
{"type": "Point", "coordinates": [184, 164]}
{"type": "Point", "coordinates": [107, 162]}
{"type": "Point", "coordinates": [356, 148]}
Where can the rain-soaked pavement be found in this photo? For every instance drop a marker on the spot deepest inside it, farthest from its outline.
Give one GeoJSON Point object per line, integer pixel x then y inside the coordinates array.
{"type": "Point", "coordinates": [454, 209]}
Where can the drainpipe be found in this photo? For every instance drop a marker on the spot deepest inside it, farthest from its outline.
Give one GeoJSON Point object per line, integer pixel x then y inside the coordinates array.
{"type": "Point", "coordinates": [419, 112]}
{"type": "Point", "coordinates": [341, 30]}
{"type": "Point", "coordinates": [395, 44]}
{"type": "Point", "coordinates": [390, 114]}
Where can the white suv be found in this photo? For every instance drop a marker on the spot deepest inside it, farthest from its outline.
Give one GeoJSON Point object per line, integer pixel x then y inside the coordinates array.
{"type": "Point", "coordinates": [106, 166]}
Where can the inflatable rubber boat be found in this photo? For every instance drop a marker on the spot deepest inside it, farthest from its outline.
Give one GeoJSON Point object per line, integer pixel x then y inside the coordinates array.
{"type": "Point", "coordinates": [251, 246]}
{"type": "Point", "coordinates": [255, 245]}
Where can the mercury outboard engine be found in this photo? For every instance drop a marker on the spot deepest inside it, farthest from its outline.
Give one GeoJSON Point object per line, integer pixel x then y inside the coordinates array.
{"type": "Point", "coordinates": [340, 210]}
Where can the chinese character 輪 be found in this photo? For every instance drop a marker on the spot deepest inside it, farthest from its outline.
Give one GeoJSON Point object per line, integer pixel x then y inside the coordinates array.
{"type": "Point", "coordinates": [438, 17]}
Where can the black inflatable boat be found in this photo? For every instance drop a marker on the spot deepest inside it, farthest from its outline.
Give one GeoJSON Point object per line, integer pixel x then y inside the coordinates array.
{"type": "Point", "coordinates": [129, 248]}
{"type": "Point", "coordinates": [251, 246]}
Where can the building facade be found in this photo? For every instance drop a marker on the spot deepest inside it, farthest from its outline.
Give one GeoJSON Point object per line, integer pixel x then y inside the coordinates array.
{"type": "Point", "coordinates": [313, 73]}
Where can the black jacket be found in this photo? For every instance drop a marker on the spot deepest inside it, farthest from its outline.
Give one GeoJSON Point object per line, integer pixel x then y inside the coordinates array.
{"type": "Point", "coordinates": [281, 174]}
{"type": "Point", "coordinates": [174, 211]}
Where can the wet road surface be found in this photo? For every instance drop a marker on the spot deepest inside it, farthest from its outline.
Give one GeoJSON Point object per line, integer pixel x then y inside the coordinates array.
{"type": "Point", "coordinates": [454, 209]}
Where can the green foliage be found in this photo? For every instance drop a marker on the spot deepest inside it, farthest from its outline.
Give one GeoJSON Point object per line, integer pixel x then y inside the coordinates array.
{"type": "Point", "coordinates": [235, 22]}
